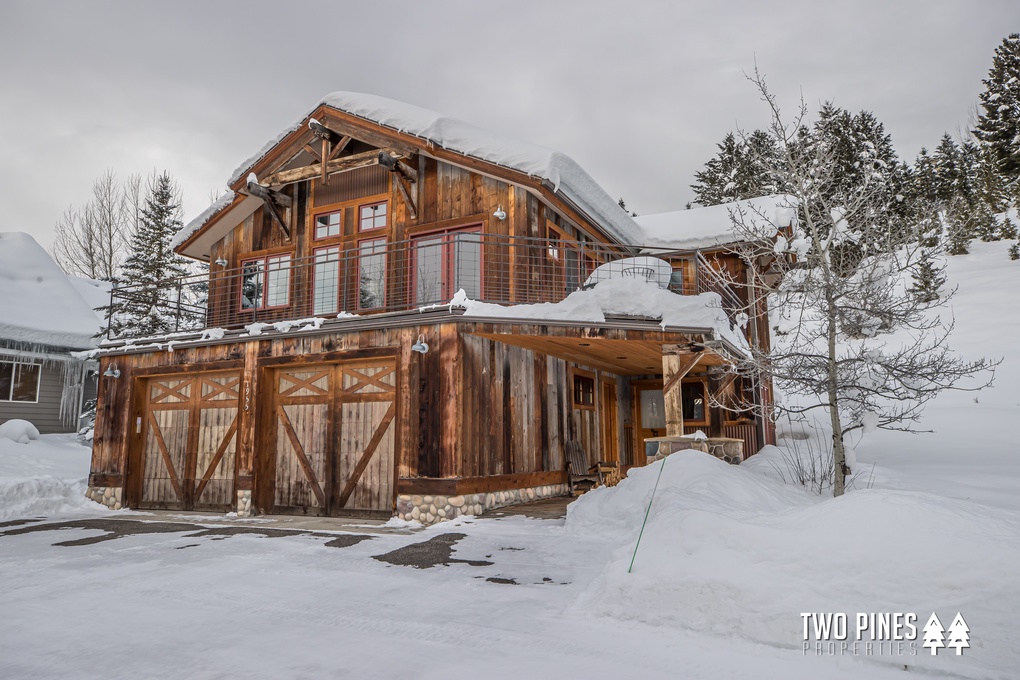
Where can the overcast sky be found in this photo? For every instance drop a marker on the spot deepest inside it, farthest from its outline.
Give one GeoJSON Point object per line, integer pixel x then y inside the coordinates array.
{"type": "Point", "coordinates": [637, 92]}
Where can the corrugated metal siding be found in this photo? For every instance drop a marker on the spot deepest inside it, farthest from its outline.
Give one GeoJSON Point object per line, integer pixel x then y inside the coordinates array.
{"type": "Point", "coordinates": [45, 414]}
{"type": "Point", "coordinates": [347, 186]}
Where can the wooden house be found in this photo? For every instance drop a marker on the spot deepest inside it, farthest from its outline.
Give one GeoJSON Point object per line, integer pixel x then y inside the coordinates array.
{"type": "Point", "coordinates": [399, 318]}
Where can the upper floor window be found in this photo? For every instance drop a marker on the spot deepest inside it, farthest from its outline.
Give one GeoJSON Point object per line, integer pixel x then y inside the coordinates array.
{"type": "Point", "coordinates": [328, 224]}
{"type": "Point", "coordinates": [445, 262]}
{"type": "Point", "coordinates": [19, 382]}
{"type": "Point", "coordinates": [265, 282]}
{"type": "Point", "coordinates": [372, 273]}
{"type": "Point", "coordinates": [372, 216]}
{"type": "Point", "coordinates": [326, 284]}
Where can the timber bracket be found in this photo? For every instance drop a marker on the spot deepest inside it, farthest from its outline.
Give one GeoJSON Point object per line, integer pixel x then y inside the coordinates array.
{"type": "Point", "coordinates": [276, 202]}
{"type": "Point", "coordinates": [404, 177]}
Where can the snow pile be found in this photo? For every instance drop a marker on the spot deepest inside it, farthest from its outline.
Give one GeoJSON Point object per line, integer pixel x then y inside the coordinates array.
{"type": "Point", "coordinates": [38, 304]}
{"type": "Point", "coordinates": [564, 175]}
{"type": "Point", "coordinates": [623, 295]}
{"type": "Point", "coordinates": [730, 552]}
{"type": "Point", "coordinates": [47, 475]}
{"type": "Point", "coordinates": [18, 431]}
{"type": "Point", "coordinates": [713, 226]}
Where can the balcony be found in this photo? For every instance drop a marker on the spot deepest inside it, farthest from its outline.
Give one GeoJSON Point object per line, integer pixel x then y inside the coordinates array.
{"type": "Point", "coordinates": [375, 276]}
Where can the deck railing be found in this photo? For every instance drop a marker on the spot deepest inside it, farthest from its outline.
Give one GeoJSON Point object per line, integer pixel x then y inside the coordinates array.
{"type": "Point", "coordinates": [372, 276]}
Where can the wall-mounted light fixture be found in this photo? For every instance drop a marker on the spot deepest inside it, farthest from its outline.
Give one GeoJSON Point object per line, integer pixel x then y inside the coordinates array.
{"type": "Point", "coordinates": [112, 371]}
{"type": "Point", "coordinates": [221, 262]}
{"type": "Point", "coordinates": [499, 214]}
{"type": "Point", "coordinates": [421, 347]}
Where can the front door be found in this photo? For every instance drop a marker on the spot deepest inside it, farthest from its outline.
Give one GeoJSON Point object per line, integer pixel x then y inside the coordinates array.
{"type": "Point", "coordinates": [333, 433]}
{"type": "Point", "coordinates": [649, 416]}
{"type": "Point", "coordinates": [608, 416]}
{"type": "Point", "coordinates": [189, 438]}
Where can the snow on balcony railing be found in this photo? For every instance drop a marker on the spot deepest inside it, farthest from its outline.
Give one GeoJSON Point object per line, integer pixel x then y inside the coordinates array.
{"type": "Point", "coordinates": [372, 275]}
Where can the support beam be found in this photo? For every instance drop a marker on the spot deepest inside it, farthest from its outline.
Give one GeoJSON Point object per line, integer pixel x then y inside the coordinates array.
{"type": "Point", "coordinates": [404, 176]}
{"type": "Point", "coordinates": [272, 200]}
{"type": "Point", "coordinates": [674, 368]}
{"type": "Point", "coordinates": [323, 132]}
{"type": "Point", "coordinates": [359, 160]}
{"type": "Point", "coordinates": [405, 193]}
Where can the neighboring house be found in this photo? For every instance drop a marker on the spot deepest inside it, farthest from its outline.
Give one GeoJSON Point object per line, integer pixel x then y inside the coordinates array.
{"type": "Point", "coordinates": [43, 318]}
{"type": "Point", "coordinates": [393, 322]}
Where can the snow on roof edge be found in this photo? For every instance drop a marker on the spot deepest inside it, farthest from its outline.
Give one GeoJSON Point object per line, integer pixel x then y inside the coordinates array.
{"type": "Point", "coordinates": [196, 224]}
{"type": "Point", "coordinates": [712, 226]}
{"type": "Point", "coordinates": [566, 176]}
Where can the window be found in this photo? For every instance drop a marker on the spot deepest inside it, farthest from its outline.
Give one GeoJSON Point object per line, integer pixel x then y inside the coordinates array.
{"type": "Point", "coordinates": [676, 279]}
{"type": "Point", "coordinates": [19, 382]}
{"type": "Point", "coordinates": [372, 216]}
{"type": "Point", "coordinates": [692, 401]}
{"type": "Point", "coordinates": [325, 286]}
{"type": "Point", "coordinates": [328, 225]}
{"type": "Point", "coordinates": [372, 273]}
{"type": "Point", "coordinates": [446, 262]}
{"type": "Point", "coordinates": [265, 282]}
{"type": "Point", "coordinates": [584, 391]}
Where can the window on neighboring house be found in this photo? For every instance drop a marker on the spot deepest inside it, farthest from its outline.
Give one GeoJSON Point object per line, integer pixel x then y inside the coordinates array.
{"type": "Point", "coordinates": [692, 401]}
{"type": "Point", "coordinates": [584, 391]}
{"type": "Point", "coordinates": [372, 216]}
{"type": "Point", "coordinates": [326, 281]}
{"type": "Point", "coordinates": [372, 273]}
{"type": "Point", "coordinates": [445, 262]}
{"type": "Point", "coordinates": [328, 224]}
{"type": "Point", "coordinates": [19, 381]}
{"type": "Point", "coordinates": [676, 279]}
{"type": "Point", "coordinates": [265, 282]}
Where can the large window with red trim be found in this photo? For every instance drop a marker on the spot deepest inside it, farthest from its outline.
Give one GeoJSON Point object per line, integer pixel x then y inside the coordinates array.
{"type": "Point", "coordinates": [372, 273]}
{"type": "Point", "coordinates": [326, 281]}
{"type": "Point", "coordinates": [265, 282]}
{"type": "Point", "coordinates": [444, 262]}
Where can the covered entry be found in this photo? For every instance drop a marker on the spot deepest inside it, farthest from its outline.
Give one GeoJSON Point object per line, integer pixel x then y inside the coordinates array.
{"type": "Point", "coordinates": [331, 439]}
{"type": "Point", "coordinates": [188, 424]}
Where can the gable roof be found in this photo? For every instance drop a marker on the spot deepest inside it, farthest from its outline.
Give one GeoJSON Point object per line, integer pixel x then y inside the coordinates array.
{"type": "Point", "coordinates": [712, 226]}
{"type": "Point", "coordinates": [38, 304]}
{"type": "Point", "coordinates": [560, 173]}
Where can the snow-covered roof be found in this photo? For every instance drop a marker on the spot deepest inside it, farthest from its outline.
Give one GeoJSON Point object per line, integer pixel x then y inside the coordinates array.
{"type": "Point", "coordinates": [95, 293]}
{"type": "Point", "coordinates": [38, 304]}
{"type": "Point", "coordinates": [713, 226]}
{"type": "Point", "coordinates": [563, 174]}
{"type": "Point", "coordinates": [200, 221]}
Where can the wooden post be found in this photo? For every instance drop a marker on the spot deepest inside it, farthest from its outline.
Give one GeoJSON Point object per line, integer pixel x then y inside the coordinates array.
{"type": "Point", "coordinates": [674, 367]}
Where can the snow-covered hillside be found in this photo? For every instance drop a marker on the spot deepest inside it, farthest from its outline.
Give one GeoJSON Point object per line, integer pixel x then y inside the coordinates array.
{"type": "Point", "coordinates": [730, 559]}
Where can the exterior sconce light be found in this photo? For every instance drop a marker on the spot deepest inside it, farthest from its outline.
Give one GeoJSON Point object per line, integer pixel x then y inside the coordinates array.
{"type": "Point", "coordinates": [221, 262]}
{"type": "Point", "coordinates": [112, 371]}
{"type": "Point", "coordinates": [499, 214]}
{"type": "Point", "coordinates": [421, 347]}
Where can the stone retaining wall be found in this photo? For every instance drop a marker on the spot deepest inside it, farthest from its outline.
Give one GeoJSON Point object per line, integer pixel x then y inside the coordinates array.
{"type": "Point", "coordinates": [433, 509]}
{"type": "Point", "coordinates": [110, 496]}
{"type": "Point", "coordinates": [244, 504]}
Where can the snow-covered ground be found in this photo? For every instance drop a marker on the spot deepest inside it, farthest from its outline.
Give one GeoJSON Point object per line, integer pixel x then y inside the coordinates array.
{"type": "Point", "coordinates": [729, 560]}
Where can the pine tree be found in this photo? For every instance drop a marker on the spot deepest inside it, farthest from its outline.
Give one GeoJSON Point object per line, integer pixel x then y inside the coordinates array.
{"type": "Point", "coordinates": [744, 167]}
{"type": "Point", "coordinates": [934, 634]}
{"type": "Point", "coordinates": [998, 125]}
{"type": "Point", "coordinates": [146, 301]}
{"type": "Point", "coordinates": [928, 280]}
{"type": "Point", "coordinates": [959, 634]}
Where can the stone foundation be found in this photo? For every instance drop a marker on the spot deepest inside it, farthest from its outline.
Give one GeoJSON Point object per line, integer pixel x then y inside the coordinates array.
{"type": "Point", "coordinates": [110, 496]}
{"type": "Point", "coordinates": [433, 509]}
{"type": "Point", "coordinates": [724, 448]}
{"type": "Point", "coordinates": [244, 504]}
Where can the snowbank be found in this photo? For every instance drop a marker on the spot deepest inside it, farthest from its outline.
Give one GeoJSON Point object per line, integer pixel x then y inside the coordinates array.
{"type": "Point", "coordinates": [18, 431]}
{"type": "Point", "coordinates": [620, 296]}
{"type": "Point", "coordinates": [713, 226]}
{"type": "Point", "coordinates": [38, 304]}
{"type": "Point", "coordinates": [730, 552]}
{"type": "Point", "coordinates": [45, 476]}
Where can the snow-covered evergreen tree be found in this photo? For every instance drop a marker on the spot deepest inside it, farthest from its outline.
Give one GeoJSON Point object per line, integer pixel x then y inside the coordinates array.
{"type": "Point", "coordinates": [928, 279]}
{"type": "Point", "coordinates": [998, 125]}
{"type": "Point", "coordinates": [146, 302]}
{"type": "Point", "coordinates": [745, 167]}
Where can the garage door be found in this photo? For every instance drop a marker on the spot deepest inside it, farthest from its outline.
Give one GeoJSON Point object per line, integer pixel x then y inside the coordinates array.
{"type": "Point", "coordinates": [189, 441]}
{"type": "Point", "coordinates": [332, 437]}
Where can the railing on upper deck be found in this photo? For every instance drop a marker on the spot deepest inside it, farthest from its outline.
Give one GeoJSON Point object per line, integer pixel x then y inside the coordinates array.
{"type": "Point", "coordinates": [371, 276]}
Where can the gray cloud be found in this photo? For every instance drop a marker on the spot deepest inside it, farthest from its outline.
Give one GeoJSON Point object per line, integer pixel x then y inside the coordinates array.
{"type": "Point", "coordinates": [637, 92]}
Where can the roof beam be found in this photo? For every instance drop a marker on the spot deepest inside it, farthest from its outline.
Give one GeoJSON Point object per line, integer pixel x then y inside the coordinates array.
{"type": "Point", "coordinates": [358, 160]}
{"type": "Point", "coordinates": [272, 200]}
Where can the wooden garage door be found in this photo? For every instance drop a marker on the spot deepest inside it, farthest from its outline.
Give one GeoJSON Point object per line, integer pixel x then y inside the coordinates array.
{"type": "Point", "coordinates": [333, 434]}
{"type": "Point", "coordinates": [189, 441]}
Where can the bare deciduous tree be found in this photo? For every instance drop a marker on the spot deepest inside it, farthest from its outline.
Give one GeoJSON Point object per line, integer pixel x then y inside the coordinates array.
{"type": "Point", "coordinates": [851, 339]}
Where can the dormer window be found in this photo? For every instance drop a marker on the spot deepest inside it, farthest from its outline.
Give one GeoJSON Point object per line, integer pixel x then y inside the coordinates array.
{"type": "Point", "coordinates": [372, 216]}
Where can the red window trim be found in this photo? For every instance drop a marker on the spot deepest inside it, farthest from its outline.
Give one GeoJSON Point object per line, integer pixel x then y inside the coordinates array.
{"type": "Point", "coordinates": [449, 268]}
{"type": "Point", "coordinates": [339, 272]}
{"type": "Point", "coordinates": [264, 259]}
{"type": "Point", "coordinates": [386, 261]}
{"type": "Point", "coordinates": [368, 205]}
{"type": "Point", "coordinates": [315, 226]}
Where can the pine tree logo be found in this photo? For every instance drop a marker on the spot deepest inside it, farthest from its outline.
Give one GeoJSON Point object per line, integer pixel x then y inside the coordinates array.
{"type": "Point", "coordinates": [959, 634]}
{"type": "Point", "coordinates": [934, 634]}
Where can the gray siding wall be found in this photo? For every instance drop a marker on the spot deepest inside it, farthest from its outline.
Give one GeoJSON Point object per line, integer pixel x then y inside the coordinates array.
{"type": "Point", "coordinates": [45, 415]}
